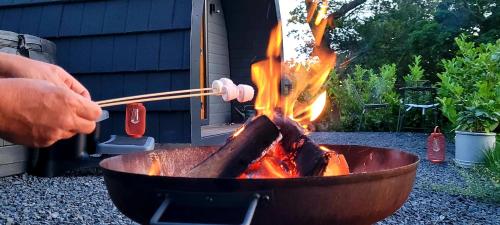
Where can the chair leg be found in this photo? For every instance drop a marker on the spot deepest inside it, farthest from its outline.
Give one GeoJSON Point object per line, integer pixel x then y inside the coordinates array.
{"type": "Point", "coordinates": [361, 120]}
{"type": "Point", "coordinates": [400, 120]}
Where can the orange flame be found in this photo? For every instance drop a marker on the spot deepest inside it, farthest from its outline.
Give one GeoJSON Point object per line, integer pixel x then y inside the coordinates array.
{"type": "Point", "coordinates": [155, 168]}
{"type": "Point", "coordinates": [318, 106]}
{"type": "Point", "coordinates": [264, 75]}
{"type": "Point", "coordinates": [238, 132]}
{"type": "Point", "coordinates": [337, 164]}
{"type": "Point", "coordinates": [307, 79]}
{"type": "Point", "coordinates": [303, 102]}
{"type": "Point", "coordinates": [312, 9]}
{"type": "Point", "coordinates": [321, 13]}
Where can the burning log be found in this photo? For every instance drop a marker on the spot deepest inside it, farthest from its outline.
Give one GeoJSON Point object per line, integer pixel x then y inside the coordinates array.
{"type": "Point", "coordinates": [309, 159]}
{"type": "Point", "coordinates": [240, 150]}
{"type": "Point", "coordinates": [337, 164]}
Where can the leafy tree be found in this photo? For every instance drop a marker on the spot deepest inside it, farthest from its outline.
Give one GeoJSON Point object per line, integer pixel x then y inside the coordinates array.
{"type": "Point", "coordinates": [366, 86]}
{"type": "Point", "coordinates": [381, 32]}
{"type": "Point", "coordinates": [469, 90]}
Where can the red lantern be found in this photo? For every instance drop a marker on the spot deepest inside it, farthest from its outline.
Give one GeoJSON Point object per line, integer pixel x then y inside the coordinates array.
{"type": "Point", "coordinates": [436, 146]}
{"type": "Point", "coordinates": [135, 120]}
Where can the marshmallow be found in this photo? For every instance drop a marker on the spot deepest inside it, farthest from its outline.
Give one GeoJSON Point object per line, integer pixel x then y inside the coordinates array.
{"type": "Point", "coordinates": [229, 92]}
{"type": "Point", "coordinates": [217, 86]}
{"type": "Point", "coordinates": [245, 93]}
{"type": "Point", "coordinates": [227, 82]}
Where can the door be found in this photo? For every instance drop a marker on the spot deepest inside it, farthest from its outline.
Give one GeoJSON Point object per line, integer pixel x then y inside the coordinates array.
{"type": "Point", "coordinates": [217, 64]}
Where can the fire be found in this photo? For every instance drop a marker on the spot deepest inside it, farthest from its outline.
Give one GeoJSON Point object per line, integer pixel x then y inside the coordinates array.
{"type": "Point", "coordinates": [307, 80]}
{"type": "Point", "coordinates": [337, 164]}
{"type": "Point", "coordinates": [321, 13]}
{"type": "Point", "coordinates": [238, 132]}
{"type": "Point", "coordinates": [265, 75]}
{"type": "Point", "coordinates": [155, 168]}
{"type": "Point", "coordinates": [318, 106]}
{"type": "Point", "coordinates": [296, 92]}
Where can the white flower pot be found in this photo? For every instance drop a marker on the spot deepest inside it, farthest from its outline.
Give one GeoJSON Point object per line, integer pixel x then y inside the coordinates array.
{"type": "Point", "coordinates": [470, 147]}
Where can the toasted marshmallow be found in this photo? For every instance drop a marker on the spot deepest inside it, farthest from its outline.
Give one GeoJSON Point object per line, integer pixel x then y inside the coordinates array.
{"type": "Point", "coordinates": [229, 92]}
{"type": "Point", "coordinates": [226, 81]}
{"type": "Point", "coordinates": [245, 93]}
{"type": "Point", "coordinates": [217, 86]}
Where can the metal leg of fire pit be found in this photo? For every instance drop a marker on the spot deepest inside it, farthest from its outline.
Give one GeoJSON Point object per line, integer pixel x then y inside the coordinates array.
{"type": "Point", "coordinates": [155, 219]}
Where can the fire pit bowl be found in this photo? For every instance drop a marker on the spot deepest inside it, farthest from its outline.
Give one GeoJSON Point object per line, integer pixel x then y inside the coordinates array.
{"type": "Point", "coordinates": [380, 181]}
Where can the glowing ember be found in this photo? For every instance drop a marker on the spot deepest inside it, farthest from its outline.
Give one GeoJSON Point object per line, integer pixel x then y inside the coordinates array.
{"type": "Point", "coordinates": [337, 164]}
{"type": "Point", "coordinates": [155, 168]}
{"type": "Point", "coordinates": [238, 132]}
{"type": "Point", "coordinates": [275, 164]}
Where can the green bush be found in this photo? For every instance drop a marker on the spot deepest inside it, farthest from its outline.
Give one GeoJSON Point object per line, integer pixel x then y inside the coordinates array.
{"type": "Point", "coordinates": [416, 72]}
{"type": "Point", "coordinates": [361, 87]}
{"type": "Point", "coordinates": [469, 91]}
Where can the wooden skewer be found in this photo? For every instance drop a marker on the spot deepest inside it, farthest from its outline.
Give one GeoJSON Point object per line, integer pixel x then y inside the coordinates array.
{"type": "Point", "coordinates": [151, 99]}
{"type": "Point", "coordinates": [138, 97]}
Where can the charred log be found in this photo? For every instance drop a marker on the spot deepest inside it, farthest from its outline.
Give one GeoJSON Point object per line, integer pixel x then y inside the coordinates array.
{"type": "Point", "coordinates": [239, 151]}
{"type": "Point", "coordinates": [309, 159]}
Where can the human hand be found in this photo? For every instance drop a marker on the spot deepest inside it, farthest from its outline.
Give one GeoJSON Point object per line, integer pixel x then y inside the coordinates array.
{"type": "Point", "coordinates": [14, 66]}
{"type": "Point", "coordinates": [38, 113]}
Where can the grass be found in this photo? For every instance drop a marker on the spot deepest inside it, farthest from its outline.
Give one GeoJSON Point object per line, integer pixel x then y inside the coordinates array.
{"type": "Point", "coordinates": [479, 184]}
{"type": "Point", "coordinates": [492, 161]}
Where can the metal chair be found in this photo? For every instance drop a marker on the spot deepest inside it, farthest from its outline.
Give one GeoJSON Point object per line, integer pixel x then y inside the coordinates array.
{"type": "Point", "coordinates": [375, 102]}
{"type": "Point", "coordinates": [421, 96]}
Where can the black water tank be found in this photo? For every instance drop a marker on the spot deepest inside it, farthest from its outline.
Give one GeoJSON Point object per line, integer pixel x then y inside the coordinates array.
{"type": "Point", "coordinates": [14, 159]}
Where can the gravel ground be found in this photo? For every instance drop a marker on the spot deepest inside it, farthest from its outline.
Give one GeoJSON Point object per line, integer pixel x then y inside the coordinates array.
{"type": "Point", "coordinates": [424, 206]}
{"type": "Point", "coordinates": [81, 197]}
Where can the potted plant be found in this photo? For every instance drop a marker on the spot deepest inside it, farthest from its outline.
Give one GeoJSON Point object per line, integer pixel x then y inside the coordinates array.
{"type": "Point", "coordinates": [469, 93]}
{"type": "Point", "coordinates": [473, 135]}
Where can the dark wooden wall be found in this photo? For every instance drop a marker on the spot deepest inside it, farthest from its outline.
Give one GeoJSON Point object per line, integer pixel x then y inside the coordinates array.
{"type": "Point", "coordinates": [249, 24]}
{"type": "Point", "coordinates": [118, 48]}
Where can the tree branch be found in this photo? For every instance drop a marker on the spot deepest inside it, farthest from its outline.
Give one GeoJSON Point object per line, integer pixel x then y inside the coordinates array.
{"type": "Point", "coordinates": [319, 30]}
{"type": "Point", "coordinates": [344, 9]}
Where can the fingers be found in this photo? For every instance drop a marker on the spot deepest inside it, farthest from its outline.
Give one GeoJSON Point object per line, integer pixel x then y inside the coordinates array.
{"type": "Point", "coordinates": [66, 135]}
{"type": "Point", "coordinates": [73, 84]}
{"type": "Point", "coordinates": [87, 109]}
{"type": "Point", "coordinates": [83, 126]}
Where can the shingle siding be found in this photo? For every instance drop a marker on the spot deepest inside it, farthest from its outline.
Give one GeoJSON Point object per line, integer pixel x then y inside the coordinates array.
{"type": "Point", "coordinates": [118, 48]}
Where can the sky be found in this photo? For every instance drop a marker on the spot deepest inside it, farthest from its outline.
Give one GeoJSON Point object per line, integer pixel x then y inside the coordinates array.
{"type": "Point", "coordinates": [289, 43]}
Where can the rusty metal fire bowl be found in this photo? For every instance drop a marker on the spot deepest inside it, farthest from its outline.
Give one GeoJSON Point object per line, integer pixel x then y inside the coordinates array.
{"type": "Point", "coordinates": [380, 182]}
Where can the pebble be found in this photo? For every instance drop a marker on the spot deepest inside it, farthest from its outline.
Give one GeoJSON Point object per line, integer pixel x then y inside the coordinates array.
{"type": "Point", "coordinates": [424, 205]}
{"type": "Point", "coordinates": [82, 198]}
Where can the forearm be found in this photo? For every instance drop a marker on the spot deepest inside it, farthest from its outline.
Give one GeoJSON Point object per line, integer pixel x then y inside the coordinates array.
{"type": "Point", "coordinates": [8, 107]}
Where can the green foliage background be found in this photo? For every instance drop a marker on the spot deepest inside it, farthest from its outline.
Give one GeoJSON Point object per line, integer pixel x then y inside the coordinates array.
{"type": "Point", "coordinates": [470, 86]}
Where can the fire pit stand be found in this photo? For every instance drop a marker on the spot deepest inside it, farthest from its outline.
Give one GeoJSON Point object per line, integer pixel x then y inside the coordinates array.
{"type": "Point", "coordinates": [227, 208]}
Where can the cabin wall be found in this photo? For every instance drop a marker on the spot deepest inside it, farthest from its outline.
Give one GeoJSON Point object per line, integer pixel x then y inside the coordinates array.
{"type": "Point", "coordinates": [249, 24]}
{"type": "Point", "coordinates": [218, 62]}
{"type": "Point", "coordinates": [118, 48]}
